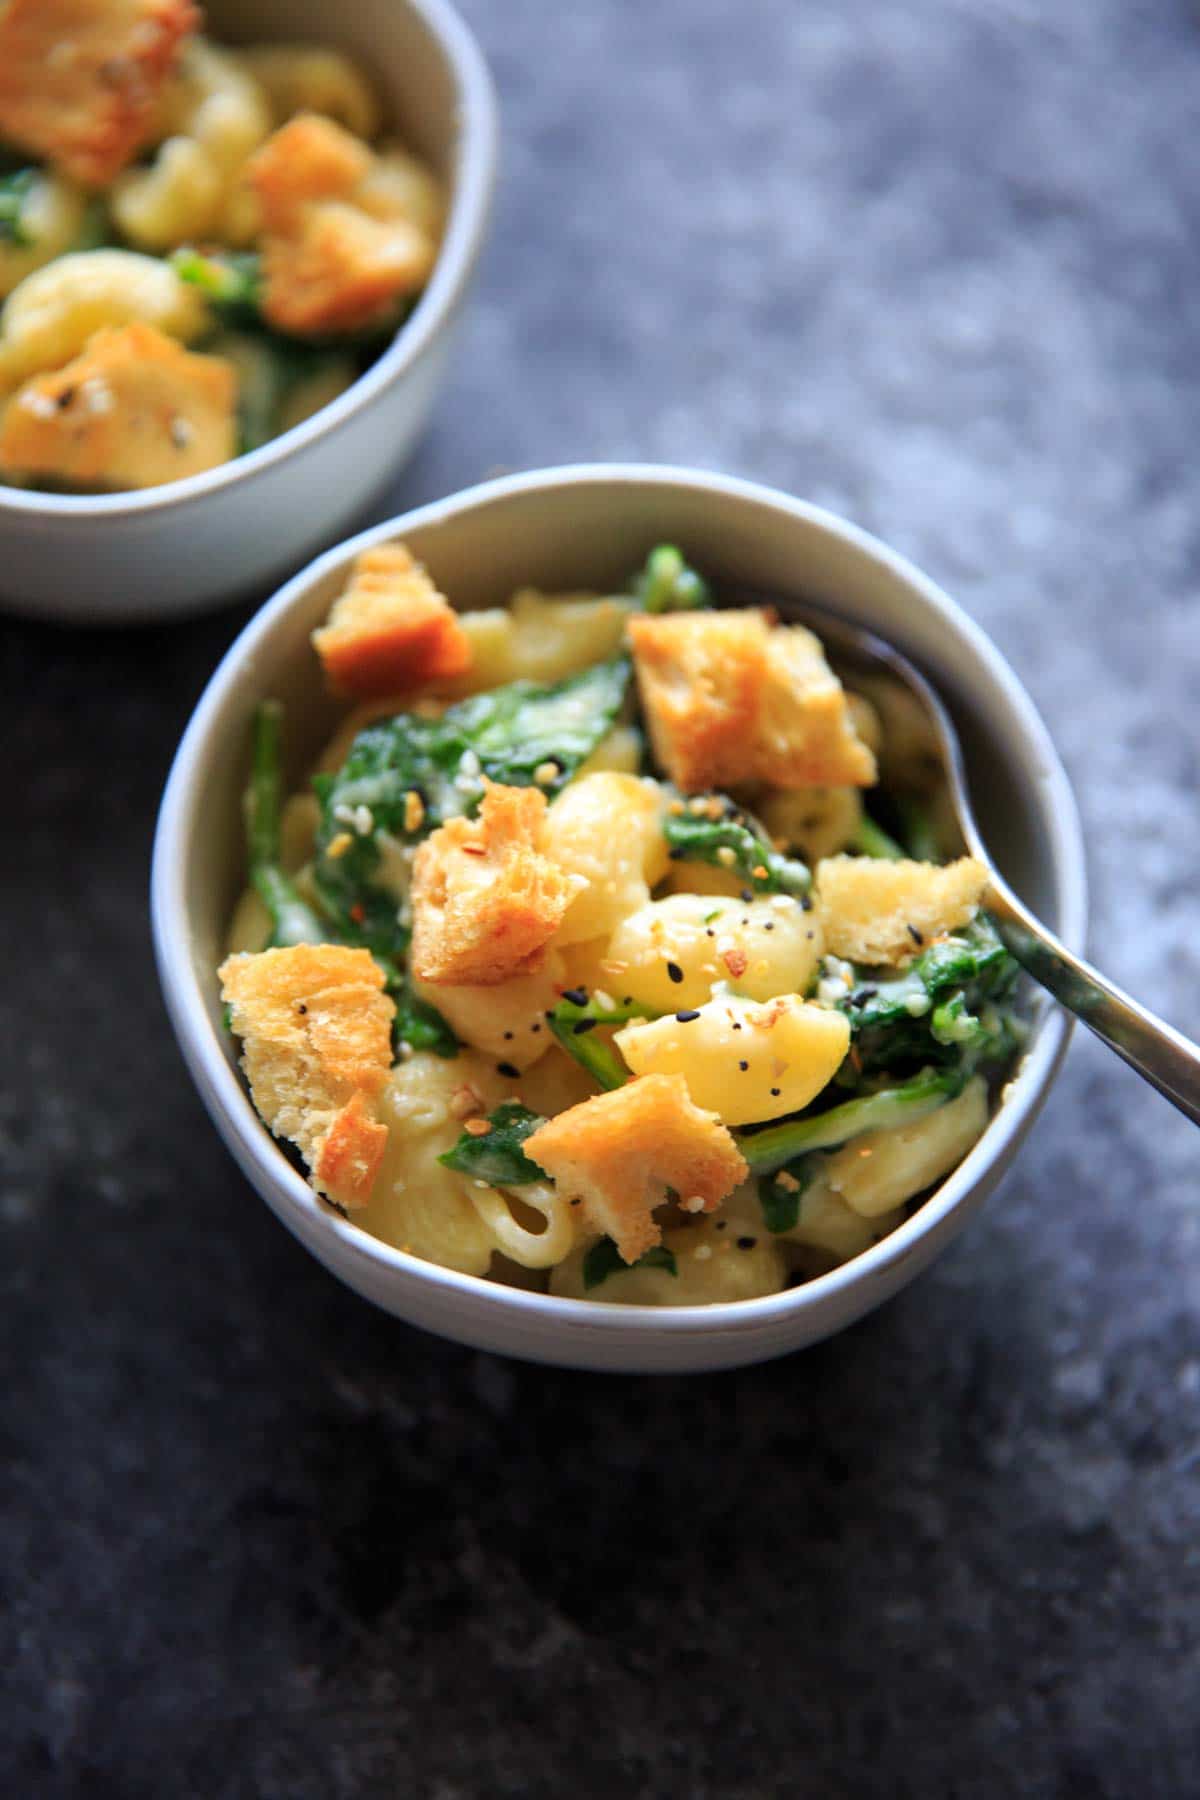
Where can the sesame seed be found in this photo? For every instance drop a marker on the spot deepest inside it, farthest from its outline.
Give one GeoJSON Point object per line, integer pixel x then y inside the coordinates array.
{"type": "Point", "coordinates": [726, 857]}
{"type": "Point", "coordinates": [547, 772]}
{"type": "Point", "coordinates": [775, 1093]}
{"type": "Point", "coordinates": [745, 895]}
{"type": "Point", "coordinates": [746, 1243]}
{"type": "Point", "coordinates": [917, 937]}
{"type": "Point", "coordinates": [686, 1017]}
{"type": "Point", "coordinates": [674, 971]}
{"type": "Point", "coordinates": [300, 1007]}
{"type": "Point", "coordinates": [694, 1203]}
{"type": "Point", "coordinates": [508, 1037]}
{"type": "Point", "coordinates": [507, 1069]}
{"type": "Point", "coordinates": [182, 431]}
{"type": "Point", "coordinates": [414, 810]}
{"type": "Point", "coordinates": [576, 995]}
{"type": "Point", "coordinates": [338, 846]}
{"type": "Point", "coordinates": [768, 924]}
{"type": "Point", "coordinates": [743, 1066]}
{"type": "Point", "coordinates": [602, 1001]}
{"type": "Point", "coordinates": [702, 1252]}
{"type": "Point", "coordinates": [580, 1026]}
{"type": "Point", "coordinates": [806, 902]}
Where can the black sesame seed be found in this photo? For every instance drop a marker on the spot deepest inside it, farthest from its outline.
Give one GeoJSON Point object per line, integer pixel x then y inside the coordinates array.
{"type": "Point", "coordinates": [674, 971]}
{"type": "Point", "coordinates": [743, 1065]}
{"type": "Point", "coordinates": [508, 1037]}
{"type": "Point", "coordinates": [301, 1008]}
{"type": "Point", "coordinates": [746, 894]}
{"type": "Point", "coordinates": [685, 1018]}
{"type": "Point", "coordinates": [746, 1243]}
{"type": "Point", "coordinates": [709, 932]}
{"type": "Point", "coordinates": [580, 1026]}
{"type": "Point", "coordinates": [918, 937]}
{"type": "Point", "coordinates": [775, 1093]}
{"type": "Point", "coordinates": [677, 852]}
{"type": "Point", "coordinates": [507, 1069]}
{"type": "Point", "coordinates": [628, 1000]}
{"type": "Point", "coordinates": [535, 1028]}
{"type": "Point", "coordinates": [65, 398]}
{"type": "Point", "coordinates": [768, 925]}
{"type": "Point", "coordinates": [806, 902]}
{"type": "Point", "coordinates": [864, 994]}
{"type": "Point", "coordinates": [721, 1225]}
{"type": "Point", "coordinates": [737, 1025]}
{"type": "Point", "coordinates": [577, 996]}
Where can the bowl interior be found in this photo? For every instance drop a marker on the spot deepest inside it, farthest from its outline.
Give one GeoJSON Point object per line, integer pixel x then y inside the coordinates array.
{"type": "Point", "coordinates": [589, 527]}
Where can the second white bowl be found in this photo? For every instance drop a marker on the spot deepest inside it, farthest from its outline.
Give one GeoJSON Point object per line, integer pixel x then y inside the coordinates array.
{"type": "Point", "coordinates": [196, 543]}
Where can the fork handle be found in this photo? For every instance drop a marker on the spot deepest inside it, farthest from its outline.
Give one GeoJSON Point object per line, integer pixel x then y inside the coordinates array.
{"type": "Point", "coordinates": [1159, 1053]}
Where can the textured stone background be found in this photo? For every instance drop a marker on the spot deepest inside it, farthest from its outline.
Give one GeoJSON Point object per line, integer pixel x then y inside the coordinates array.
{"type": "Point", "coordinates": [933, 263]}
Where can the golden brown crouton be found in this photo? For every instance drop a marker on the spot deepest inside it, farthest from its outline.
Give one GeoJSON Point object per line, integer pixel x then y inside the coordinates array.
{"type": "Point", "coordinates": [134, 409]}
{"type": "Point", "coordinates": [486, 900]}
{"type": "Point", "coordinates": [79, 79]}
{"type": "Point", "coordinates": [701, 678]}
{"type": "Point", "coordinates": [619, 1153]}
{"type": "Point", "coordinates": [328, 264]}
{"type": "Point", "coordinates": [885, 912]}
{"type": "Point", "coordinates": [806, 734]}
{"type": "Point", "coordinates": [391, 629]}
{"type": "Point", "coordinates": [310, 158]}
{"type": "Point", "coordinates": [732, 698]}
{"type": "Point", "coordinates": [342, 270]}
{"type": "Point", "coordinates": [315, 1027]}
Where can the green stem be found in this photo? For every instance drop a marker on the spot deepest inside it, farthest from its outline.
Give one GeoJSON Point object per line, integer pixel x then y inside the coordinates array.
{"type": "Point", "coordinates": [872, 840]}
{"type": "Point", "coordinates": [294, 920]}
{"type": "Point", "coordinates": [768, 1150]}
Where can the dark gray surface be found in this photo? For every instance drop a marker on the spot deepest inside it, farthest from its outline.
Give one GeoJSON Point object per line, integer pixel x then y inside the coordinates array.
{"type": "Point", "coordinates": [934, 264]}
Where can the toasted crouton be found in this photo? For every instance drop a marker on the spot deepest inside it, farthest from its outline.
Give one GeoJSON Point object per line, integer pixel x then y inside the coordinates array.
{"type": "Point", "coordinates": [310, 158]}
{"type": "Point", "coordinates": [806, 734]}
{"type": "Point", "coordinates": [391, 629]}
{"type": "Point", "coordinates": [486, 900]}
{"type": "Point", "coordinates": [731, 698]}
{"type": "Point", "coordinates": [701, 679]}
{"type": "Point", "coordinates": [133, 410]}
{"type": "Point", "coordinates": [315, 1027]}
{"type": "Point", "coordinates": [875, 911]}
{"type": "Point", "coordinates": [619, 1153]}
{"type": "Point", "coordinates": [79, 79]}
{"type": "Point", "coordinates": [342, 270]}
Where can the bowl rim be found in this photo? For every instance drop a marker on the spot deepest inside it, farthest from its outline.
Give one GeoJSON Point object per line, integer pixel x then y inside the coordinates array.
{"type": "Point", "coordinates": [476, 111]}
{"type": "Point", "coordinates": [228, 1103]}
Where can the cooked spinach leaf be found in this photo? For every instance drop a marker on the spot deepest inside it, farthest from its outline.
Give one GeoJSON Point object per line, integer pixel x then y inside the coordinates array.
{"type": "Point", "coordinates": [780, 1195]}
{"type": "Point", "coordinates": [604, 1259]}
{"type": "Point", "coordinates": [417, 1024]}
{"type": "Point", "coordinates": [15, 190]}
{"type": "Point", "coordinates": [497, 1157]}
{"type": "Point", "coordinates": [710, 828]}
{"type": "Point", "coordinates": [947, 1006]}
{"type": "Point", "coordinates": [230, 280]}
{"type": "Point", "coordinates": [777, 1146]}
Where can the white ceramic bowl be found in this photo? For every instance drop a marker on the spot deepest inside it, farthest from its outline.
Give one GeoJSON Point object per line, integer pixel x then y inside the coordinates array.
{"type": "Point", "coordinates": [588, 527]}
{"type": "Point", "coordinates": [197, 543]}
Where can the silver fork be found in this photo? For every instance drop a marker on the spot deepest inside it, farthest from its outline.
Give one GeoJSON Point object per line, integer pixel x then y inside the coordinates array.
{"type": "Point", "coordinates": [1159, 1053]}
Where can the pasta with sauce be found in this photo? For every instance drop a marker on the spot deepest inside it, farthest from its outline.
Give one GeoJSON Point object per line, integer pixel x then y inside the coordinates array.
{"type": "Point", "coordinates": [642, 1052]}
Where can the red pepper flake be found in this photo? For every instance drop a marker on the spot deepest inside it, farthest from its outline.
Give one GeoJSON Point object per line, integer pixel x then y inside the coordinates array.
{"type": "Point", "coordinates": [358, 912]}
{"type": "Point", "coordinates": [737, 962]}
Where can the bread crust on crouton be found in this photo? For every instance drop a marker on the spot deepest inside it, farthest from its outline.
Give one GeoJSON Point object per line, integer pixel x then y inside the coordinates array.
{"type": "Point", "coordinates": [391, 629]}
{"type": "Point", "coordinates": [310, 158]}
{"type": "Point", "coordinates": [486, 900]}
{"type": "Point", "coordinates": [79, 79]}
{"type": "Point", "coordinates": [731, 697]}
{"type": "Point", "coordinates": [328, 264]}
{"type": "Point", "coordinates": [874, 911]}
{"type": "Point", "coordinates": [620, 1152]}
{"type": "Point", "coordinates": [701, 678]}
{"type": "Point", "coordinates": [315, 1027]}
{"type": "Point", "coordinates": [133, 410]}
{"type": "Point", "coordinates": [806, 735]}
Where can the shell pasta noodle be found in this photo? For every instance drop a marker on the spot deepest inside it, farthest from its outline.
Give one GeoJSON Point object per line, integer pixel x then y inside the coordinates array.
{"type": "Point", "coordinates": [255, 205]}
{"type": "Point", "coordinates": [636, 1048]}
